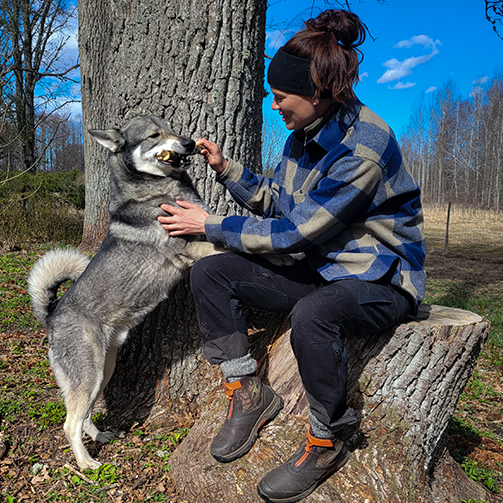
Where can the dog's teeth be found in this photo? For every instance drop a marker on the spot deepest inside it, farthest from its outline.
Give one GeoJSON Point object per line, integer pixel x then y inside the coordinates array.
{"type": "Point", "coordinates": [164, 155]}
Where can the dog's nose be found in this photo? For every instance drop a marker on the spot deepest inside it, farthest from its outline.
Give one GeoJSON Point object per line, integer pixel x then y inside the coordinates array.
{"type": "Point", "coordinates": [189, 145]}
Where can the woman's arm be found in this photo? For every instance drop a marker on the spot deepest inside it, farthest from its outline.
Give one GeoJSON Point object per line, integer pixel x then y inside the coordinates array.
{"type": "Point", "coordinates": [342, 197]}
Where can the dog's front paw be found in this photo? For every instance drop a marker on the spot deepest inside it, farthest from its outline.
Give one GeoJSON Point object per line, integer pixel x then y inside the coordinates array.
{"type": "Point", "coordinates": [88, 462]}
{"type": "Point", "coordinates": [104, 436]}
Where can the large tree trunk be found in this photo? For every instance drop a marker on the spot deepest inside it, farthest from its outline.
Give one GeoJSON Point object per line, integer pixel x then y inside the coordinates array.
{"type": "Point", "coordinates": [405, 383]}
{"type": "Point", "coordinates": [200, 65]}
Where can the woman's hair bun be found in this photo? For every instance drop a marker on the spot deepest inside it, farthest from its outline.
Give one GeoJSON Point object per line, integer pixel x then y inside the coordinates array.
{"type": "Point", "coordinates": [344, 25]}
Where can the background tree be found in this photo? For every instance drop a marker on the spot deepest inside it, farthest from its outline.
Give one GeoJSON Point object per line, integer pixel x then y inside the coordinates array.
{"type": "Point", "coordinates": [60, 142]}
{"type": "Point", "coordinates": [453, 145]}
{"type": "Point", "coordinates": [34, 34]}
{"type": "Point", "coordinates": [273, 142]}
{"type": "Point", "coordinates": [6, 98]}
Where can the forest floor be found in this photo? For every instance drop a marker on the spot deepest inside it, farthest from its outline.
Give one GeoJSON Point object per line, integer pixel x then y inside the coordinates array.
{"type": "Point", "coordinates": [36, 464]}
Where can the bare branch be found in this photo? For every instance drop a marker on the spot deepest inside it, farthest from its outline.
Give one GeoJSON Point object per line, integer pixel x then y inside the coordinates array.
{"type": "Point", "coordinates": [494, 14]}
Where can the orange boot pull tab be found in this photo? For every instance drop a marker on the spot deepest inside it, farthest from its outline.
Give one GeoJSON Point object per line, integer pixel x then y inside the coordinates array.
{"type": "Point", "coordinates": [310, 442]}
{"type": "Point", "coordinates": [230, 387]}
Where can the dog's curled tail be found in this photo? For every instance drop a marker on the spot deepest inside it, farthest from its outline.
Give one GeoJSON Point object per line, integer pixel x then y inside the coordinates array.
{"type": "Point", "coordinates": [48, 273]}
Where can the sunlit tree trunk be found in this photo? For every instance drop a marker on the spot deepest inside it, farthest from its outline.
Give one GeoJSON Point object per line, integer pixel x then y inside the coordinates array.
{"type": "Point", "coordinates": [200, 65]}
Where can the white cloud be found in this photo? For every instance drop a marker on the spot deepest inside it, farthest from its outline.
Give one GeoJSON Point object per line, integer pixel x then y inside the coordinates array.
{"type": "Point", "coordinates": [476, 92]}
{"type": "Point", "coordinates": [402, 85]}
{"type": "Point", "coordinates": [419, 40]}
{"type": "Point", "coordinates": [398, 69]}
{"type": "Point", "coordinates": [431, 89]}
{"type": "Point", "coordinates": [275, 39]}
{"type": "Point", "coordinates": [481, 81]}
{"type": "Point", "coordinates": [363, 75]}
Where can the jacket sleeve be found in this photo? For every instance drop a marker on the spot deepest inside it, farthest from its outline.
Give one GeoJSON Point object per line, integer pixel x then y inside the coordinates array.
{"type": "Point", "coordinates": [343, 195]}
{"type": "Point", "coordinates": [257, 194]}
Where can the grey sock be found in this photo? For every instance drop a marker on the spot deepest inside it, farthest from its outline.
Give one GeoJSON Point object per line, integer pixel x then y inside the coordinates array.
{"type": "Point", "coordinates": [318, 429]}
{"type": "Point", "coordinates": [232, 370]}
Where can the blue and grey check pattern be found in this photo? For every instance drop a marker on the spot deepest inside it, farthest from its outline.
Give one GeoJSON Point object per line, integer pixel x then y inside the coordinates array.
{"type": "Point", "coordinates": [344, 198]}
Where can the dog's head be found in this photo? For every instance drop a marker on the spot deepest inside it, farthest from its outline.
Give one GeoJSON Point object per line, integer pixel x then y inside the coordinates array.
{"type": "Point", "coordinates": [149, 145]}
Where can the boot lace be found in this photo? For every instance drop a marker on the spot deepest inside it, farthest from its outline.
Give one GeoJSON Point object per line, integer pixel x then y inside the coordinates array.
{"type": "Point", "coordinates": [311, 441]}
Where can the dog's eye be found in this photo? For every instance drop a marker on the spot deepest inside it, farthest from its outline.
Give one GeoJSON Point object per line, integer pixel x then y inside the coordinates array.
{"type": "Point", "coordinates": [155, 135]}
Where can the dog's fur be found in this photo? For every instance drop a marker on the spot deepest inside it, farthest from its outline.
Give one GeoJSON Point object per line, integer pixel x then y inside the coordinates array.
{"type": "Point", "coordinates": [136, 266]}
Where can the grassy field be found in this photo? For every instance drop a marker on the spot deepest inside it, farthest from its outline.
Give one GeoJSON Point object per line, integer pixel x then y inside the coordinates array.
{"type": "Point", "coordinates": [36, 465]}
{"type": "Point", "coordinates": [470, 275]}
{"type": "Point", "coordinates": [473, 233]}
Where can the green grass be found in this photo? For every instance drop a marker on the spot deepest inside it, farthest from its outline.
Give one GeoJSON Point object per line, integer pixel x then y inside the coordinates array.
{"type": "Point", "coordinates": [87, 488]}
{"type": "Point", "coordinates": [481, 474]}
{"type": "Point", "coordinates": [47, 414]}
{"type": "Point", "coordinates": [15, 309]}
{"type": "Point", "coordinates": [477, 389]}
{"type": "Point", "coordinates": [465, 428]}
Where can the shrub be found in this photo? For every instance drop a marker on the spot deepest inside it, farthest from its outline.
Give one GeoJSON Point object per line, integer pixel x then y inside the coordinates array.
{"type": "Point", "coordinates": [40, 207]}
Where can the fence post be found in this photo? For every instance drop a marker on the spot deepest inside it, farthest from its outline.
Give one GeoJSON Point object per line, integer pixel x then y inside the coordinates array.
{"type": "Point", "coordinates": [446, 249]}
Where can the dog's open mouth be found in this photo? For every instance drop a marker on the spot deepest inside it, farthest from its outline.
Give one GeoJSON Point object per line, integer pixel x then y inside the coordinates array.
{"type": "Point", "coordinates": [177, 159]}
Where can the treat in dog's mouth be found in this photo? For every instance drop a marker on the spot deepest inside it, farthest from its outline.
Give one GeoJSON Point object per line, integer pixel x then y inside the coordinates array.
{"type": "Point", "coordinates": [175, 158]}
{"type": "Point", "coordinates": [165, 155]}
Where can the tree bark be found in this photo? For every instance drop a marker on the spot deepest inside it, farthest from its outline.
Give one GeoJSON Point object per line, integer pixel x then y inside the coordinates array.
{"type": "Point", "coordinates": [200, 65]}
{"type": "Point", "coordinates": [405, 383]}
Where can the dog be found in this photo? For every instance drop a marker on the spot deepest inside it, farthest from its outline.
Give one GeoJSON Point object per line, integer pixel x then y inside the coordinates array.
{"type": "Point", "coordinates": [136, 266]}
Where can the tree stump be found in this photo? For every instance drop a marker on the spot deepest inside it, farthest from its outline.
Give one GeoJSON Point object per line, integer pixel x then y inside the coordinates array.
{"type": "Point", "coordinates": [405, 383]}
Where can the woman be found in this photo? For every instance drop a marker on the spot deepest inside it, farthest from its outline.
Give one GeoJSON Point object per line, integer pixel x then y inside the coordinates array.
{"type": "Point", "coordinates": [342, 198]}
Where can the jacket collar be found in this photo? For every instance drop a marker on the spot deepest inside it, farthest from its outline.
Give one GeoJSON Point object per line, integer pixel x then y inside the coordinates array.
{"type": "Point", "coordinates": [329, 130]}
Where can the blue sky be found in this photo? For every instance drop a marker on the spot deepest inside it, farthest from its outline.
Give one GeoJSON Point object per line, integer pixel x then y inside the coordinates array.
{"type": "Point", "coordinates": [419, 45]}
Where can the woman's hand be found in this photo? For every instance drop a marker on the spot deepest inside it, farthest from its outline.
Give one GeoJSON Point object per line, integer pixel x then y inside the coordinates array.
{"type": "Point", "coordinates": [188, 218]}
{"type": "Point", "coordinates": [213, 155]}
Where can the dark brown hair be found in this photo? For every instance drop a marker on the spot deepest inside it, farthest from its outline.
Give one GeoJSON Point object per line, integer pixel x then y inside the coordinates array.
{"type": "Point", "coordinates": [331, 42]}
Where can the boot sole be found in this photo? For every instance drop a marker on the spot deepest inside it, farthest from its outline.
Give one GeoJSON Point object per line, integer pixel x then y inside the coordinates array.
{"type": "Point", "coordinates": [270, 413]}
{"type": "Point", "coordinates": [346, 455]}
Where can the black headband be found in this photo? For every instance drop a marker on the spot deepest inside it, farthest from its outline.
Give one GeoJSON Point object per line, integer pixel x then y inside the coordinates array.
{"type": "Point", "coordinates": [290, 74]}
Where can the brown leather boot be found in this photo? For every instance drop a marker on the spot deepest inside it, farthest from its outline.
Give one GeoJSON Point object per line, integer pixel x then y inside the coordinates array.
{"type": "Point", "coordinates": [251, 405]}
{"type": "Point", "coordinates": [314, 461]}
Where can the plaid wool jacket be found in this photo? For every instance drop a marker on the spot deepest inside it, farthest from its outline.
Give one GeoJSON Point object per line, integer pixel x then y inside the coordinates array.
{"type": "Point", "coordinates": [343, 196]}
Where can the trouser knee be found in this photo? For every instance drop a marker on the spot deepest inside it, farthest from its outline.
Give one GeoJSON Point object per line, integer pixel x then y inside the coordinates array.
{"type": "Point", "coordinates": [205, 274]}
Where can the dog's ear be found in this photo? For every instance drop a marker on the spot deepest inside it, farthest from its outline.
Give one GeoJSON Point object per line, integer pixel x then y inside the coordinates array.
{"type": "Point", "coordinates": [109, 138]}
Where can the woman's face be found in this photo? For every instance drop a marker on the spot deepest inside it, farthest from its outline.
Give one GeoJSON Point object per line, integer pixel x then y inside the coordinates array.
{"type": "Point", "coordinates": [297, 111]}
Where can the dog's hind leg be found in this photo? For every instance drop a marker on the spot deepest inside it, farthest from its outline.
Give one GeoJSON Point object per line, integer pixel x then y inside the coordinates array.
{"type": "Point", "coordinates": [79, 405]}
{"type": "Point", "coordinates": [79, 373]}
{"type": "Point", "coordinates": [89, 427]}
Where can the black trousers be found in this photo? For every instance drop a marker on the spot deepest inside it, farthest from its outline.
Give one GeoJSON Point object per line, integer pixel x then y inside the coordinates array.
{"type": "Point", "coordinates": [324, 317]}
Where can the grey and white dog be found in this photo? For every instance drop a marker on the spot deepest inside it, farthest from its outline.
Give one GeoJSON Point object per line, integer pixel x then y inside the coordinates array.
{"type": "Point", "coordinates": [135, 268]}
